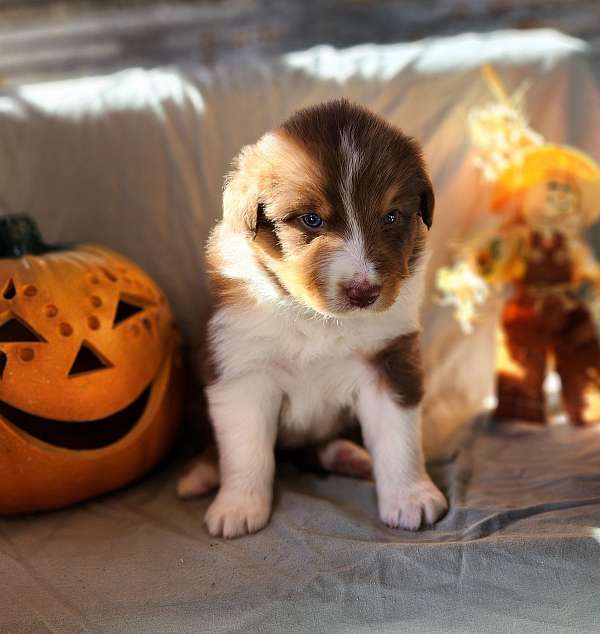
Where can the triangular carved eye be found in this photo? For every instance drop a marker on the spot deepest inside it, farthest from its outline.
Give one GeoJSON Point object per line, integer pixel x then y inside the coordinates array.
{"type": "Point", "coordinates": [17, 330]}
{"type": "Point", "coordinates": [9, 291]}
{"type": "Point", "coordinates": [3, 360]}
{"type": "Point", "coordinates": [88, 360]}
{"type": "Point", "coordinates": [127, 307]}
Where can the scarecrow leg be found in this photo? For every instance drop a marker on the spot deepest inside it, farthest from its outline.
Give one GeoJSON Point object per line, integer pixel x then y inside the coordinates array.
{"type": "Point", "coordinates": [521, 368]}
{"type": "Point", "coordinates": [578, 365]}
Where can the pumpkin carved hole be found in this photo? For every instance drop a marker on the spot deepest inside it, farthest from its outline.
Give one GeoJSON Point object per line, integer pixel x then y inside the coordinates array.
{"type": "Point", "coordinates": [79, 435]}
{"type": "Point", "coordinates": [3, 359]}
{"type": "Point", "coordinates": [109, 275]}
{"type": "Point", "coordinates": [88, 360]}
{"type": "Point", "coordinates": [127, 307]}
{"type": "Point", "coordinates": [10, 291]}
{"type": "Point", "coordinates": [14, 329]}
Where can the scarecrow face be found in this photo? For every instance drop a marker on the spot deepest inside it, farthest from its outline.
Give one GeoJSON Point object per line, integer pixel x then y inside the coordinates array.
{"type": "Point", "coordinates": [89, 371]}
{"type": "Point", "coordinates": [555, 203]}
{"type": "Point", "coordinates": [562, 198]}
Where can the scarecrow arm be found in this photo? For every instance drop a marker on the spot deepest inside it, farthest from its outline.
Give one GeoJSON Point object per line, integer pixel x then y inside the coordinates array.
{"type": "Point", "coordinates": [585, 264]}
{"type": "Point", "coordinates": [488, 263]}
{"type": "Point", "coordinates": [462, 289]}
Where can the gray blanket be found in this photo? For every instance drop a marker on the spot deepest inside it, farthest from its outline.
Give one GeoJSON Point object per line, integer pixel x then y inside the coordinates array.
{"type": "Point", "coordinates": [518, 552]}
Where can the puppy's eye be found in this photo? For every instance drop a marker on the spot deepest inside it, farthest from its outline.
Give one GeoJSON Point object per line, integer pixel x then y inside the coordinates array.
{"type": "Point", "coordinates": [390, 218]}
{"type": "Point", "coordinates": [311, 220]}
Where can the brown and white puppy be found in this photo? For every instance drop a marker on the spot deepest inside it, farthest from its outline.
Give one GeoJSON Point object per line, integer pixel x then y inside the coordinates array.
{"type": "Point", "coordinates": [317, 273]}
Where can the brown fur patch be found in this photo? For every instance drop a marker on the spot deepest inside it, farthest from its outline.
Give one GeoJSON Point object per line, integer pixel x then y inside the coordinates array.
{"type": "Point", "coordinates": [399, 366]}
{"type": "Point", "coordinates": [227, 291]}
{"type": "Point", "coordinates": [418, 251]}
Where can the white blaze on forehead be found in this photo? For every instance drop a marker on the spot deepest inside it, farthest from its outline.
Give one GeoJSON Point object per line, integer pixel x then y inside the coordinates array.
{"type": "Point", "coordinates": [351, 161]}
{"type": "Point", "coordinates": [355, 260]}
{"type": "Point", "coordinates": [350, 263]}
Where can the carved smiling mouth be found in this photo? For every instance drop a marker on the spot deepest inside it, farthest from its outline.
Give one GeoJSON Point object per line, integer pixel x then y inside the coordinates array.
{"type": "Point", "coordinates": [93, 434]}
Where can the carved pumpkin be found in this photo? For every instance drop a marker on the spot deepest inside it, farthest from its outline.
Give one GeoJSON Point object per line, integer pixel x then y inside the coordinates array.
{"type": "Point", "coordinates": [90, 388]}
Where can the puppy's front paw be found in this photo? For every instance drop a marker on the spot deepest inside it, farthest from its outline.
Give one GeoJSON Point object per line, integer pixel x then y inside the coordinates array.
{"type": "Point", "coordinates": [234, 514]}
{"type": "Point", "coordinates": [409, 507]}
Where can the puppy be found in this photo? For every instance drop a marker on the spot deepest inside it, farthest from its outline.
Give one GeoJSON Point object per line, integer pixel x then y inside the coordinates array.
{"type": "Point", "coordinates": [317, 274]}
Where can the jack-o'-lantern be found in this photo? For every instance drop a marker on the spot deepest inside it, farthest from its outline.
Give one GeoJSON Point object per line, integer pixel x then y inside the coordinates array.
{"type": "Point", "coordinates": [90, 371]}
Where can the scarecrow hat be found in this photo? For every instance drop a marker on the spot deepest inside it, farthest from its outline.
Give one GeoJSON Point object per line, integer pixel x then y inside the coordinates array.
{"type": "Point", "coordinates": [547, 162]}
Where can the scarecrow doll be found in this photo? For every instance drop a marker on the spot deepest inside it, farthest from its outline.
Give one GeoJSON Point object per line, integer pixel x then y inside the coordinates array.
{"type": "Point", "coordinates": [542, 197]}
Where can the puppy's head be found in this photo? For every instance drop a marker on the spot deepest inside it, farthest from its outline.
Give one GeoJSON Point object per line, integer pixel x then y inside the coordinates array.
{"type": "Point", "coordinates": [336, 203]}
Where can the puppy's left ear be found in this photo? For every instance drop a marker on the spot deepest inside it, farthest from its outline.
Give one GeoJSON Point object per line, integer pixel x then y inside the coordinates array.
{"type": "Point", "coordinates": [426, 205]}
{"type": "Point", "coordinates": [241, 196]}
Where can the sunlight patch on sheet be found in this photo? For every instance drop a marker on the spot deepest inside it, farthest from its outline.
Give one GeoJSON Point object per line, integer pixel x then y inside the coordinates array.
{"type": "Point", "coordinates": [435, 55]}
{"type": "Point", "coordinates": [133, 89]}
{"type": "Point", "coordinates": [595, 532]}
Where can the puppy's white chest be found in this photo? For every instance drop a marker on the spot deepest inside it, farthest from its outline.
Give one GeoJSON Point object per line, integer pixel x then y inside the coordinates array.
{"type": "Point", "coordinates": [317, 366]}
{"type": "Point", "coordinates": [317, 399]}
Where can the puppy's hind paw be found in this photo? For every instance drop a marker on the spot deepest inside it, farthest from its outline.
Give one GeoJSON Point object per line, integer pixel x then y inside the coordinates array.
{"type": "Point", "coordinates": [346, 458]}
{"type": "Point", "coordinates": [413, 505]}
{"type": "Point", "coordinates": [200, 476]}
{"type": "Point", "coordinates": [237, 514]}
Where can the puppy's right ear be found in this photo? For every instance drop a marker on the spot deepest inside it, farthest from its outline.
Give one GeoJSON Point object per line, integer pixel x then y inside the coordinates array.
{"type": "Point", "coordinates": [241, 196]}
{"type": "Point", "coordinates": [426, 205]}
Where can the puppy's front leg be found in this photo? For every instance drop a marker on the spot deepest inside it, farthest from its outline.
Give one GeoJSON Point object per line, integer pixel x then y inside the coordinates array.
{"type": "Point", "coordinates": [244, 415]}
{"type": "Point", "coordinates": [392, 433]}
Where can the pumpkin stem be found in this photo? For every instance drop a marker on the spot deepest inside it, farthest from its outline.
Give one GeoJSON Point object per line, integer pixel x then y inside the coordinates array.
{"type": "Point", "coordinates": [19, 236]}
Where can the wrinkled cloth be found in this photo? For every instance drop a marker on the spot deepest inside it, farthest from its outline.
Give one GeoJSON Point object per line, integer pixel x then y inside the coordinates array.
{"type": "Point", "coordinates": [519, 551]}
{"type": "Point", "coordinates": [135, 160]}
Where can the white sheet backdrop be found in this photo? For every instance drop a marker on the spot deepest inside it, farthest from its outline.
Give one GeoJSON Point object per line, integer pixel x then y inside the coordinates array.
{"type": "Point", "coordinates": [135, 160]}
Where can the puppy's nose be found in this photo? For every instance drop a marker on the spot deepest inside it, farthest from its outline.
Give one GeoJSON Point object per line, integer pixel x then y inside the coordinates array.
{"type": "Point", "coordinates": [362, 294]}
